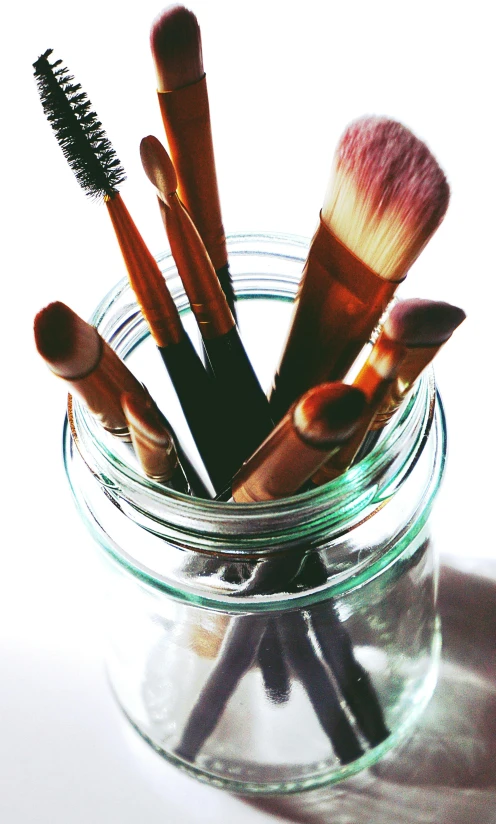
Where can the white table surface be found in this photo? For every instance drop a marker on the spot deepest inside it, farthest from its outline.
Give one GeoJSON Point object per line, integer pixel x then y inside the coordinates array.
{"type": "Point", "coordinates": [284, 81]}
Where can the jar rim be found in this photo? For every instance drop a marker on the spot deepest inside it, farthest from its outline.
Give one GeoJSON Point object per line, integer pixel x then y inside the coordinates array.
{"type": "Point", "coordinates": [255, 529]}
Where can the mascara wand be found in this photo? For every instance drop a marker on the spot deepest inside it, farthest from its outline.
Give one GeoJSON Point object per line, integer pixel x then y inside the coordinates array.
{"type": "Point", "coordinates": [99, 172]}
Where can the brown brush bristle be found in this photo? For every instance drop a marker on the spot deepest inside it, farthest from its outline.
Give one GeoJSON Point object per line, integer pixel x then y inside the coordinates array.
{"type": "Point", "coordinates": [71, 347]}
{"type": "Point", "coordinates": [387, 195]}
{"type": "Point", "coordinates": [176, 47]}
{"type": "Point", "coordinates": [328, 414]}
{"type": "Point", "coordinates": [417, 322]}
{"type": "Point", "coordinates": [54, 332]}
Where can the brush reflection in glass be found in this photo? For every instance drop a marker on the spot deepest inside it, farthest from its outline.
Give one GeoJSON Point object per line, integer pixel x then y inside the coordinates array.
{"type": "Point", "coordinates": [314, 427]}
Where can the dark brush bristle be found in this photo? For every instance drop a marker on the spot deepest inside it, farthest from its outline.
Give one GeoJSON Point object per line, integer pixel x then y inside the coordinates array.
{"type": "Point", "coordinates": [78, 130]}
{"type": "Point", "coordinates": [54, 332]}
{"type": "Point", "coordinates": [328, 413]}
{"type": "Point", "coordinates": [176, 45]}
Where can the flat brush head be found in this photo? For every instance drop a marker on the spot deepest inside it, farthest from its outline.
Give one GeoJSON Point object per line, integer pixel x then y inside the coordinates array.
{"type": "Point", "coordinates": [69, 345]}
{"type": "Point", "coordinates": [328, 414]}
{"type": "Point", "coordinates": [418, 323]}
{"type": "Point", "coordinates": [387, 195]}
{"type": "Point", "coordinates": [158, 166]}
{"type": "Point", "coordinates": [175, 40]}
{"type": "Point", "coordinates": [78, 130]}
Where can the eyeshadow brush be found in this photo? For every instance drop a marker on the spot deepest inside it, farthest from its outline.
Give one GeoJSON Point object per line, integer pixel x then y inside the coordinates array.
{"type": "Point", "coordinates": [176, 45]}
{"type": "Point", "coordinates": [412, 333]}
{"type": "Point", "coordinates": [76, 352]}
{"type": "Point", "coordinates": [247, 417]}
{"type": "Point", "coordinates": [443, 319]}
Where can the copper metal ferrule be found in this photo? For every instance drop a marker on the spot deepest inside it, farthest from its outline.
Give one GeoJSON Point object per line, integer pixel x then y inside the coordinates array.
{"type": "Point", "coordinates": [101, 391]}
{"type": "Point", "coordinates": [413, 364]}
{"type": "Point", "coordinates": [145, 277]}
{"type": "Point", "coordinates": [152, 441]}
{"type": "Point", "coordinates": [375, 380]}
{"type": "Point", "coordinates": [279, 467]}
{"type": "Point", "coordinates": [207, 300]}
{"type": "Point", "coordinates": [338, 305]}
{"type": "Point", "coordinates": [158, 460]}
{"type": "Point", "coordinates": [186, 117]}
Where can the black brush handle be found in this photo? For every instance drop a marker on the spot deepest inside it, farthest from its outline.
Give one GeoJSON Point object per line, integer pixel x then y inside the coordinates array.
{"type": "Point", "coordinates": [195, 483]}
{"type": "Point", "coordinates": [312, 674]}
{"type": "Point", "coordinates": [226, 283]}
{"type": "Point", "coordinates": [245, 404]}
{"type": "Point", "coordinates": [239, 648]}
{"type": "Point", "coordinates": [225, 280]}
{"type": "Point", "coordinates": [202, 407]}
{"type": "Point", "coordinates": [337, 651]}
{"type": "Point", "coordinates": [273, 666]}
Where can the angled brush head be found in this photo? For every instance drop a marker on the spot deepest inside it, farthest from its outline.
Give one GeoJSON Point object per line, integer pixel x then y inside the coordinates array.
{"type": "Point", "coordinates": [387, 195]}
{"type": "Point", "coordinates": [71, 347]}
{"type": "Point", "coordinates": [158, 166]}
{"type": "Point", "coordinates": [175, 40]}
{"type": "Point", "coordinates": [418, 323]}
{"type": "Point", "coordinates": [328, 414]}
{"type": "Point", "coordinates": [78, 130]}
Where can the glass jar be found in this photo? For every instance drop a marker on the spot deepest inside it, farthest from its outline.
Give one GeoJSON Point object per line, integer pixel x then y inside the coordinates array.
{"type": "Point", "coordinates": [267, 647]}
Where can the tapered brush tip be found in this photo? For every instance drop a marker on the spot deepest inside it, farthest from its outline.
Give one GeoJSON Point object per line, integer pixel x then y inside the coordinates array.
{"type": "Point", "coordinates": [417, 322]}
{"type": "Point", "coordinates": [387, 195]}
{"type": "Point", "coordinates": [158, 166]}
{"type": "Point", "coordinates": [69, 345]}
{"type": "Point", "coordinates": [328, 414]}
{"type": "Point", "coordinates": [175, 41]}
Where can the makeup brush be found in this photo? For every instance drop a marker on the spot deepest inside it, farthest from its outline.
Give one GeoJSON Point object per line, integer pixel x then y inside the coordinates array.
{"type": "Point", "coordinates": [314, 428]}
{"type": "Point", "coordinates": [443, 319]}
{"type": "Point", "coordinates": [386, 197]}
{"type": "Point", "coordinates": [76, 352]}
{"type": "Point", "coordinates": [175, 41]}
{"type": "Point", "coordinates": [245, 404]}
{"type": "Point", "coordinates": [323, 419]}
{"type": "Point", "coordinates": [153, 443]}
{"type": "Point", "coordinates": [412, 333]}
{"type": "Point", "coordinates": [98, 170]}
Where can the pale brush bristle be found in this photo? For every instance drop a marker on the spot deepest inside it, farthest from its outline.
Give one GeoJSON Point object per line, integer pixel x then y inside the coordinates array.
{"type": "Point", "coordinates": [386, 197]}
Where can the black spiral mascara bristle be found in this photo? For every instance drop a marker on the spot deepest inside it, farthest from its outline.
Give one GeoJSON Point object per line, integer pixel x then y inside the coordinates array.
{"type": "Point", "coordinates": [84, 143]}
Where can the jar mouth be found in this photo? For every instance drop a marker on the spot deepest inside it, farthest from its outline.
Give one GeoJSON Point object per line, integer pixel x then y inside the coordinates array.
{"type": "Point", "coordinates": [208, 525]}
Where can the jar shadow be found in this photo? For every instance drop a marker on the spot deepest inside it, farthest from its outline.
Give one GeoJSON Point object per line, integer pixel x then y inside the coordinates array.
{"type": "Point", "coordinates": [444, 772]}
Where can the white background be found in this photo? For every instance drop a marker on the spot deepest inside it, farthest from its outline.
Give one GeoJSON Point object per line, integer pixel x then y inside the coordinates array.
{"type": "Point", "coordinates": [284, 81]}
